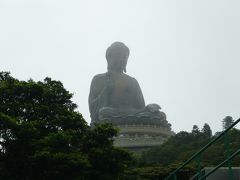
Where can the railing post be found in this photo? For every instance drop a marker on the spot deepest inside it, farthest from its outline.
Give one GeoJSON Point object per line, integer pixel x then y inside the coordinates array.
{"type": "Point", "coordinates": [199, 159]}
{"type": "Point", "coordinates": [175, 176]}
{"type": "Point", "coordinates": [227, 154]}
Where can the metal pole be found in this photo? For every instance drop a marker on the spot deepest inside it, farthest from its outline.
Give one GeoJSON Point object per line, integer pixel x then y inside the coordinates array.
{"type": "Point", "coordinates": [175, 176]}
{"type": "Point", "coordinates": [227, 154]}
{"type": "Point", "coordinates": [199, 159]}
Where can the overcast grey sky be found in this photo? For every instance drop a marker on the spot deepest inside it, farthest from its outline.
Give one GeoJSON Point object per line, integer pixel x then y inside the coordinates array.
{"type": "Point", "coordinates": [185, 54]}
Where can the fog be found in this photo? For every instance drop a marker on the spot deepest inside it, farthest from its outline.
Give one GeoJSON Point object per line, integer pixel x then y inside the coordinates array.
{"type": "Point", "coordinates": [185, 54]}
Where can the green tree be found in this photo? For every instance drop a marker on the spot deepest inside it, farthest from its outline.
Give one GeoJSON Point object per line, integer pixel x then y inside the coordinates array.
{"type": "Point", "coordinates": [195, 130]}
{"type": "Point", "coordinates": [42, 136]}
{"type": "Point", "coordinates": [206, 130]}
{"type": "Point", "coordinates": [227, 122]}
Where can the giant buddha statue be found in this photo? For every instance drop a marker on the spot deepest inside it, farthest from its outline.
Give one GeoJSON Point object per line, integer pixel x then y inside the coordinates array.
{"type": "Point", "coordinates": [117, 98]}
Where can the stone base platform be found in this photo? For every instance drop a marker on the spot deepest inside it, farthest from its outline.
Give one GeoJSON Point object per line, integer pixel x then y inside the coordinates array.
{"type": "Point", "coordinates": [141, 137]}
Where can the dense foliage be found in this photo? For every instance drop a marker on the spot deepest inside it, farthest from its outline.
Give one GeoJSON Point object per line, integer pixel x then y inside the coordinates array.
{"type": "Point", "coordinates": [42, 136]}
{"type": "Point", "coordinates": [160, 161]}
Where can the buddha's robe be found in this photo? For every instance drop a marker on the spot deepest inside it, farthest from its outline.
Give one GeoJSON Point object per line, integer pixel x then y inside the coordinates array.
{"type": "Point", "coordinates": [118, 99]}
{"type": "Point", "coordinates": [117, 95]}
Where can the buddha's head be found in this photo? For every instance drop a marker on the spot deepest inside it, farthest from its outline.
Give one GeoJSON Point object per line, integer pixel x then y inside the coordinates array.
{"type": "Point", "coordinates": [117, 56]}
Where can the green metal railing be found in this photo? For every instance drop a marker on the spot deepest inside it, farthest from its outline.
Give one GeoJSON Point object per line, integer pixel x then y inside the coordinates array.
{"type": "Point", "coordinates": [197, 156]}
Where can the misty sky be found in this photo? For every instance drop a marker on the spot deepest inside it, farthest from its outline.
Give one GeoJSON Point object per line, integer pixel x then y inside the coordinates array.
{"type": "Point", "coordinates": [185, 54]}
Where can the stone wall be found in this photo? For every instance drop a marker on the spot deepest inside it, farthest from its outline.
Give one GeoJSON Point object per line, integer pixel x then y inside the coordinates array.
{"type": "Point", "coordinates": [141, 136]}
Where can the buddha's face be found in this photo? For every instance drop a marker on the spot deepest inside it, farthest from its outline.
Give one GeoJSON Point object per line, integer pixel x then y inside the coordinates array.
{"type": "Point", "coordinates": [118, 60]}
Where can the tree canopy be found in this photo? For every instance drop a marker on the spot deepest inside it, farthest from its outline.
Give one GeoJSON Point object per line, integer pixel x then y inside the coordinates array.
{"type": "Point", "coordinates": [42, 136]}
{"type": "Point", "coordinates": [227, 122]}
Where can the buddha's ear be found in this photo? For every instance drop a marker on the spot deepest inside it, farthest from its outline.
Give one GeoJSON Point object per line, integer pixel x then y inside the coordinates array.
{"type": "Point", "coordinates": [125, 70]}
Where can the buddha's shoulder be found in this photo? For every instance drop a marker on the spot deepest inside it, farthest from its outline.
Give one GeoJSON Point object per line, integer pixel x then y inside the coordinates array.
{"type": "Point", "coordinates": [99, 77]}
{"type": "Point", "coordinates": [130, 78]}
